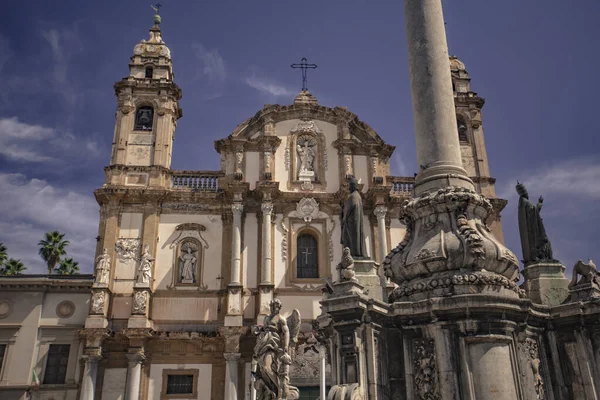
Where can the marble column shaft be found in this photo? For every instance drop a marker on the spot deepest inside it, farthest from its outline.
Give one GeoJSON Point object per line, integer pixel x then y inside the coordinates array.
{"type": "Point", "coordinates": [267, 209]}
{"type": "Point", "coordinates": [231, 375]}
{"type": "Point", "coordinates": [438, 148]}
{"type": "Point", "coordinates": [380, 212]}
{"type": "Point", "coordinates": [90, 372]}
{"type": "Point", "coordinates": [134, 374]}
{"type": "Point", "coordinates": [236, 246]}
{"type": "Point", "coordinates": [323, 373]}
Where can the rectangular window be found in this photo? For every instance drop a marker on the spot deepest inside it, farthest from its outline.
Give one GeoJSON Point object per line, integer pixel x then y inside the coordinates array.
{"type": "Point", "coordinates": [2, 353]}
{"type": "Point", "coordinates": [56, 364]}
{"type": "Point", "coordinates": [180, 384]}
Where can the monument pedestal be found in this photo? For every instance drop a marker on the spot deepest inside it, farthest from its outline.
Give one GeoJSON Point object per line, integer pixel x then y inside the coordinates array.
{"type": "Point", "coordinates": [546, 283]}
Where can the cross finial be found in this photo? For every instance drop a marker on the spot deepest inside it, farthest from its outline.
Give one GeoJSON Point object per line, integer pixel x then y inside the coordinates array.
{"type": "Point", "coordinates": [156, 8]}
{"type": "Point", "coordinates": [304, 66]}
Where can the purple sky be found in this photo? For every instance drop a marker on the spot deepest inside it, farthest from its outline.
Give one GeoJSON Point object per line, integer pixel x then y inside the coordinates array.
{"type": "Point", "coordinates": [535, 65]}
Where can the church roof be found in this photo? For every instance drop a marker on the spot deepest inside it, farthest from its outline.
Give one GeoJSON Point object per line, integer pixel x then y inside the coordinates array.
{"type": "Point", "coordinates": [306, 107]}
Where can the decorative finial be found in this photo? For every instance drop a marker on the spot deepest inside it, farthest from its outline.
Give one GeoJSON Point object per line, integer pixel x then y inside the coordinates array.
{"type": "Point", "coordinates": [156, 8]}
{"type": "Point", "coordinates": [304, 66]}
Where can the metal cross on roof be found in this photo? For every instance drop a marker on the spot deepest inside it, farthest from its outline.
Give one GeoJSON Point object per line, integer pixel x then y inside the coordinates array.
{"type": "Point", "coordinates": [156, 8]}
{"type": "Point", "coordinates": [304, 66]}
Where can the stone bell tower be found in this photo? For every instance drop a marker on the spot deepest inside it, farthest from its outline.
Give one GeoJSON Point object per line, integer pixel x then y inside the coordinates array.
{"type": "Point", "coordinates": [147, 114]}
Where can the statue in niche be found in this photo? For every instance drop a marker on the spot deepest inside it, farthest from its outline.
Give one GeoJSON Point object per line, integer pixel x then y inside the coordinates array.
{"type": "Point", "coordinates": [306, 150]}
{"type": "Point", "coordinates": [187, 263]}
{"type": "Point", "coordinates": [353, 236]}
{"type": "Point", "coordinates": [273, 353]}
{"type": "Point", "coordinates": [145, 269]}
{"type": "Point", "coordinates": [102, 267]}
{"type": "Point", "coordinates": [534, 241]}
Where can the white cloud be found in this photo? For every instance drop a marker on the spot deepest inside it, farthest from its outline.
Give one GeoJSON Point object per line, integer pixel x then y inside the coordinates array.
{"type": "Point", "coordinates": [576, 178]}
{"type": "Point", "coordinates": [23, 142]}
{"type": "Point", "coordinates": [213, 65]}
{"type": "Point", "coordinates": [31, 207]}
{"type": "Point", "coordinates": [267, 85]}
{"type": "Point", "coordinates": [64, 44]}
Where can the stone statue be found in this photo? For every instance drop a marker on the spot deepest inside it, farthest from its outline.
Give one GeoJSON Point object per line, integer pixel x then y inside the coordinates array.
{"type": "Point", "coordinates": [188, 266]}
{"type": "Point", "coordinates": [145, 269]}
{"type": "Point", "coordinates": [306, 154]}
{"type": "Point", "coordinates": [534, 241]}
{"type": "Point", "coordinates": [102, 267]}
{"type": "Point", "coordinates": [353, 236]}
{"type": "Point", "coordinates": [275, 347]}
{"type": "Point", "coordinates": [588, 273]}
{"type": "Point", "coordinates": [346, 266]}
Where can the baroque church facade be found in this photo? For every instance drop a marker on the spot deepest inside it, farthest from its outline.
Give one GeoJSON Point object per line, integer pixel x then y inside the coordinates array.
{"type": "Point", "coordinates": [187, 261]}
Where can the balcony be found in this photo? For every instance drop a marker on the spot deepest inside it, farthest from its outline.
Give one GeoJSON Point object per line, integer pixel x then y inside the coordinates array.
{"type": "Point", "coordinates": [402, 186]}
{"type": "Point", "coordinates": [198, 181]}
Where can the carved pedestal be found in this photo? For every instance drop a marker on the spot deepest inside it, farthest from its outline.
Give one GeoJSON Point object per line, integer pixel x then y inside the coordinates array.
{"type": "Point", "coordinates": [99, 302]}
{"type": "Point", "coordinates": [234, 315]}
{"type": "Point", "coordinates": [139, 307]}
{"type": "Point", "coordinates": [546, 283]}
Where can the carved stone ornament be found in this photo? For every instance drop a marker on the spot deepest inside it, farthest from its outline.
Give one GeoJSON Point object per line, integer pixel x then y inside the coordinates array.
{"type": "Point", "coordinates": [452, 236]}
{"type": "Point", "coordinates": [307, 186]}
{"type": "Point", "coordinates": [127, 249]}
{"type": "Point", "coordinates": [139, 302]}
{"type": "Point", "coordinates": [306, 365]}
{"type": "Point", "coordinates": [346, 266]}
{"type": "Point", "coordinates": [284, 243]}
{"type": "Point", "coordinates": [588, 273]}
{"type": "Point", "coordinates": [98, 303]}
{"type": "Point", "coordinates": [380, 211]}
{"type": "Point", "coordinates": [530, 350]}
{"type": "Point", "coordinates": [5, 308]}
{"type": "Point", "coordinates": [237, 208]}
{"type": "Point", "coordinates": [65, 309]}
{"type": "Point", "coordinates": [425, 370]}
{"type": "Point", "coordinates": [449, 281]}
{"type": "Point", "coordinates": [308, 208]}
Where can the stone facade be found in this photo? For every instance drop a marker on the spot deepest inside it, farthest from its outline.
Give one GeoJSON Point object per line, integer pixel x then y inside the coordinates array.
{"type": "Point", "coordinates": [40, 321]}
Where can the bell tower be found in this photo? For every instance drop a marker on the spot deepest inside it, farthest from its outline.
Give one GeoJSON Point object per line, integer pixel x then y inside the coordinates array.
{"type": "Point", "coordinates": [147, 114]}
{"type": "Point", "coordinates": [468, 106]}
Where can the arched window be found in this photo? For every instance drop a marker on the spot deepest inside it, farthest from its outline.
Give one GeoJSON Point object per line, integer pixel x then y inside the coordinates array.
{"type": "Point", "coordinates": [149, 72]}
{"type": "Point", "coordinates": [462, 129]}
{"type": "Point", "coordinates": [307, 256]}
{"type": "Point", "coordinates": [143, 118]}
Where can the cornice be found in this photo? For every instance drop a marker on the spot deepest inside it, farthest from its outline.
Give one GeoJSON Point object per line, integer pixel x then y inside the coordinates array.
{"type": "Point", "coordinates": [47, 283]}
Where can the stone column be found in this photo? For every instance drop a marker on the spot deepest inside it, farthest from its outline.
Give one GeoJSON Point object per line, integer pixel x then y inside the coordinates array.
{"type": "Point", "coordinates": [587, 368]}
{"type": "Point", "coordinates": [90, 372]}
{"type": "Point", "coordinates": [380, 212]}
{"type": "Point", "coordinates": [438, 148]}
{"type": "Point", "coordinates": [231, 375]}
{"type": "Point", "coordinates": [134, 374]}
{"type": "Point", "coordinates": [322, 372]}
{"type": "Point", "coordinates": [236, 246]}
{"type": "Point", "coordinates": [267, 209]}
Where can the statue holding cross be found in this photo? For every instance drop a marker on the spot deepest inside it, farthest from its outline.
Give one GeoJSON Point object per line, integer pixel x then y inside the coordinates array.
{"type": "Point", "coordinates": [304, 66]}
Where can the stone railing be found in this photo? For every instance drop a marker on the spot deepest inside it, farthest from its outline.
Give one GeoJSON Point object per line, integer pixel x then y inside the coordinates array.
{"type": "Point", "coordinates": [401, 185]}
{"type": "Point", "coordinates": [202, 181]}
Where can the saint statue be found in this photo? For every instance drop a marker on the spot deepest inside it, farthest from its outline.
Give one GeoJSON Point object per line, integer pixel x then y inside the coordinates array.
{"type": "Point", "coordinates": [275, 345]}
{"type": "Point", "coordinates": [145, 269]}
{"type": "Point", "coordinates": [534, 241]}
{"type": "Point", "coordinates": [353, 236]}
{"type": "Point", "coordinates": [102, 267]}
{"type": "Point", "coordinates": [306, 154]}
{"type": "Point", "coordinates": [188, 265]}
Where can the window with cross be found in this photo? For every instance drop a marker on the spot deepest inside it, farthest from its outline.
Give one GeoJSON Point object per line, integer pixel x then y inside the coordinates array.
{"type": "Point", "coordinates": [307, 257]}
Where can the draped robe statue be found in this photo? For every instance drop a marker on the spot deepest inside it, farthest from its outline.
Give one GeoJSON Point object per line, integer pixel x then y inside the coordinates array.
{"type": "Point", "coordinates": [273, 353]}
{"type": "Point", "coordinates": [534, 241]}
{"type": "Point", "coordinates": [353, 236]}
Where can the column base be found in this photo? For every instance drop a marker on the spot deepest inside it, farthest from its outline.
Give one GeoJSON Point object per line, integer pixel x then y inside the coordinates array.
{"type": "Point", "coordinates": [139, 321]}
{"type": "Point", "coordinates": [234, 316]}
{"type": "Point", "coordinates": [96, 321]}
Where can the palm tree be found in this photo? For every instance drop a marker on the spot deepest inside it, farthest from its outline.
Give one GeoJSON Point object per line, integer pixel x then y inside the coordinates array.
{"type": "Point", "coordinates": [52, 248]}
{"type": "Point", "coordinates": [14, 267]}
{"type": "Point", "coordinates": [67, 267]}
{"type": "Point", "coordinates": [3, 254]}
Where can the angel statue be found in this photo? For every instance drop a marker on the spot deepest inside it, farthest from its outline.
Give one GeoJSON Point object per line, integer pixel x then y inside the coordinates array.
{"type": "Point", "coordinates": [273, 353]}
